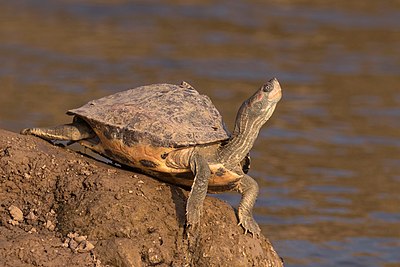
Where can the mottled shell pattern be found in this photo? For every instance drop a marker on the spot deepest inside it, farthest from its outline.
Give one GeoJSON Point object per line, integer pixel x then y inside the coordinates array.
{"type": "Point", "coordinates": [162, 115]}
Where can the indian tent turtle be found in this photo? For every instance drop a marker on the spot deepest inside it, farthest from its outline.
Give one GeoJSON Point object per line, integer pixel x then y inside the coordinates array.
{"type": "Point", "coordinates": [175, 134]}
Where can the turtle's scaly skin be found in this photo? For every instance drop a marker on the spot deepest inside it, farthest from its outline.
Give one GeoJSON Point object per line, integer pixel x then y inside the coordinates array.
{"type": "Point", "coordinates": [177, 135]}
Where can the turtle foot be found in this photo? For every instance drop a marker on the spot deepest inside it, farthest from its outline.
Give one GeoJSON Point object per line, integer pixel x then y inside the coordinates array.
{"type": "Point", "coordinates": [249, 225]}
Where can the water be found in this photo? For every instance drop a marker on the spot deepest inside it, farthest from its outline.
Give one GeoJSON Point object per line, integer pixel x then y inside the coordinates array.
{"type": "Point", "coordinates": [328, 162]}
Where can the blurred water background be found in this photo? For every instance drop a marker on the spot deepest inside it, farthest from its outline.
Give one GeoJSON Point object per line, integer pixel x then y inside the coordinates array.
{"type": "Point", "coordinates": [328, 161]}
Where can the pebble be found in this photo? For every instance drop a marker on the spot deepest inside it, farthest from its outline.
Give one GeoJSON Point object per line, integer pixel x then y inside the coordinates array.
{"type": "Point", "coordinates": [16, 213]}
{"type": "Point", "coordinates": [31, 216]}
{"type": "Point", "coordinates": [81, 238]}
{"type": "Point", "coordinates": [155, 256]}
{"type": "Point", "coordinates": [111, 171]}
{"type": "Point", "coordinates": [84, 246]}
{"type": "Point", "coordinates": [86, 172]}
{"type": "Point", "coordinates": [13, 222]}
{"type": "Point", "coordinates": [72, 244]}
{"type": "Point", "coordinates": [78, 243]}
{"type": "Point", "coordinates": [118, 196]}
{"type": "Point", "coordinates": [49, 225]}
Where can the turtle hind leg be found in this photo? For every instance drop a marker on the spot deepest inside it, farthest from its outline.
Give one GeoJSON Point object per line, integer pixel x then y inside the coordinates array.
{"type": "Point", "coordinates": [77, 130]}
{"type": "Point", "coordinates": [248, 187]}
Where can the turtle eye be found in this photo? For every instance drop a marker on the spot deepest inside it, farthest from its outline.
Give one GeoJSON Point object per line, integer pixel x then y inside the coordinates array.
{"type": "Point", "coordinates": [267, 87]}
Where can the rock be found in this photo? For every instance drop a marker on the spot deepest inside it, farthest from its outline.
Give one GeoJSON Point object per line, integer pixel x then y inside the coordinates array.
{"type": "Point", "coordinates": [80, 239]}
{"type": "Point", "coordinates": [49, 225]}
{"type": "Point", "coordinates": [31, 216]}
{"type": "Point", "coordinates": [88, 246]}
{"type": "Point", "coordinates": [154, 256]}
{"type": "Point", "coordinates": [130, 219]}
{"type": "Point", "coordinates": [78, 243]}
{"type": "Point", "coordinates": [16, 215]}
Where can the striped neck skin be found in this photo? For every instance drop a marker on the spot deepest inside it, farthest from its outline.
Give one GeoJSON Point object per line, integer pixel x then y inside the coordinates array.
{"type": "Point", "coordinates": [252, 115]}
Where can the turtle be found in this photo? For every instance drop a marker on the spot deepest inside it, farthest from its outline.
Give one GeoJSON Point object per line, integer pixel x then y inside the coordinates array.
{"type": "Point", "coordinates": [177, 135]}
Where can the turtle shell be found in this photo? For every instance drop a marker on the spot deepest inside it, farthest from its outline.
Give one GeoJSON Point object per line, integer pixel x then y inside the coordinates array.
{"type": "Point", "coordinates": [162, 115]}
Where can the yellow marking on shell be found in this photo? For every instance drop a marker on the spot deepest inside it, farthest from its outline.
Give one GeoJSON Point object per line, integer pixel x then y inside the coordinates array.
{"type": "Point", "coordinates": [139, 152]}
{"type": "Point", "coordinates": [167, 169]}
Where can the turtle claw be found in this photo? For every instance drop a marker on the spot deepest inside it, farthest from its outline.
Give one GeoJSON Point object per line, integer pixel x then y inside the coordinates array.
{"type": "Point", "coordinates": [250, 225]}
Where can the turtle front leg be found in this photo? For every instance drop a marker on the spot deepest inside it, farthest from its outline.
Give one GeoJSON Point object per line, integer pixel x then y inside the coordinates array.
{"type": "Point", "coordinates": [248, 187]}
{"type": "Point", "coordinates": [194, 206]}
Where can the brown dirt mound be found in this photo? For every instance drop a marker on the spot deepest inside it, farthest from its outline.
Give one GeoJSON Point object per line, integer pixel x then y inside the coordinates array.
{"type": "Point", "coordinates": [60, 208]}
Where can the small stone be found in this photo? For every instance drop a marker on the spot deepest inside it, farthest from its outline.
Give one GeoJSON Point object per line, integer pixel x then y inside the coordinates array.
{"type": "Point", "coordinates": [31, 216]}
{"type": "Point", "coordinates": [16, 213]}
{"type": "Point", "coordinates": [81, 238]}
{"type": "Point", "coordinates": [13, 222]}
{"type": "Point", "coordinates": [151, 229]}
{"type": "Point", "coordinates": [78, 243]}
{"type": "Point", "coordinates": [84, 246]}
{"type": "Point", "coordinates": [155, 256]}
{"type": "Point", "coordinates": [66, 243]}
{"type": "Point", "coordinates": [89, 246]}
{"type": "Point", "coordinates": [118, 196]}
{"type": "Point", "coordinates": [130, 191]}
{"type": "Point", "coordinates": [49, 225]}
{"type": "Point", "coordinates": [27, 175]}
{"type": "Point", "coordinates": [72, 235]}
{"type": "Point", "coordinates": [111, 171]}
{"type": "Point", "coordinates": [86, 172]}
{"type": "Point", "coordinates": [72, 244]}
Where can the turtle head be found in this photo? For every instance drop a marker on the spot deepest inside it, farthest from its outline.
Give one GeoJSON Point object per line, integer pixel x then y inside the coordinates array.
{"type": "Point", "coordinates": [262, 103]}
{"type": "Point", "coordinates": [259, 107]}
